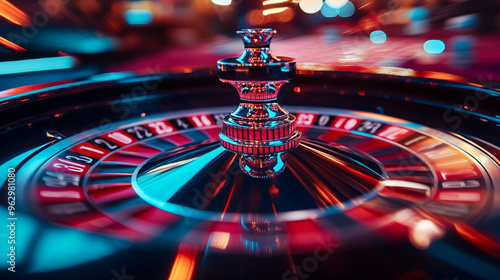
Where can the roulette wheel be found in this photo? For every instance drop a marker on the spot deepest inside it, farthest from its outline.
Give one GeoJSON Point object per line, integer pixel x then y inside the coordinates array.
{"type": "Point", "coordinates": [348, 173]}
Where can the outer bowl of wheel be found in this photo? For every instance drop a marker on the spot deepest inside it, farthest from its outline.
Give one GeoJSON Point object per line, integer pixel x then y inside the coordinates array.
{"type": "Point", "coordinates": [396, 177]}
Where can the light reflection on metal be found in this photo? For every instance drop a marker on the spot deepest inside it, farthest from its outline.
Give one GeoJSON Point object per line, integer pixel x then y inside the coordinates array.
{"type": "Point", "coordinates": [263, 237]}
{"type": "Point", "coordinates": [172, 165]}
{"type": "Point", "coordinates": [259, 129]}
{"type": "Point", "coordinates": [410, 186]}
{"type": "Point", "coordinates": [350, 179]}
{"type": "Point", "coordinates": [54, 135]}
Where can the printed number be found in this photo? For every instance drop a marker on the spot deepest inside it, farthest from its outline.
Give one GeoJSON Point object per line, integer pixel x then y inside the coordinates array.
{"type": "Point", "coordinates": [69, 165]}
{"type": "Point", "coordinates": [323, 120]}
{"type": "Point", "coordinates": [106, 143]}
{"type": "Point", "coordinates": [139, 132]}
{"type": "Point", "coordinates": [120, 137]}
{"type": "Point", "coordinates": [91, 150]}
{"type": "Point", "coordinates": [161, 127]}
{"type": "Point", "coordinates": [370, 127]}
{"type": "Point", "coordinates": [80, 158]}
{"type": "Point", "coordinates": [305, 119]}
{"type": "Point", "coordinates": [393, 132]}
{"type": "Point", "coordinates": [344, 123]}
{"type": "Point", "coordinates": [201, 121]}
{"type": "Point", "coordinates": [56, 179]}
{"type": "Point", "coordinates": [182, 124]}
{"type": "Point", "coordinates": [68, 208]}
{"type": "Point", "coordinates": [461, 184]}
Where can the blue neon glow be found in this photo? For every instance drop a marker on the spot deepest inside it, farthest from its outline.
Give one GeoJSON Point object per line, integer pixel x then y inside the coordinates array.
{"type": "Point", "coordinates": [35, 65]}
{"type": "Point", "coordinates": [26, 230]}
{"type": "Point", "coordinates": [347, 10]}
{"type": "Point", "coordinates": [434, 46]}
{"type": "Point", "coordinates": [157, 194]}
{"type": "Point", "coordinates": [59, 248]}
{"type": "Point", "coordinates": [378, 37]}
{"type": "Point", "coordinates": [418, 14]}
{"type": "Point", "coordinates": [113, 76]}
{"type": "Point", "coordinates": [328, 11]}
{"type": "Point", "coordinates": [13, 163]}
{"type": "Point", "coordinates": [94, 45]}
{"type": "Point", "coordinates": [138, 16]}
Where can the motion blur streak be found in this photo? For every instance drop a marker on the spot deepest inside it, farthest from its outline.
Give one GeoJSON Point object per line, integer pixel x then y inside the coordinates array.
{"type": "Point", "coordinates": [273, 2]}
{"type": "Point", "coordinates": [34, 65]}
{"type": "Point", "coordinates": [219, 239]}
{"type": "Point", "coordinates": [270, 2]}
{"type": "Point", "coordinates": [478, 239]}
{"type": "Point", "coordinates": [11, 45]}
{"type": "Point", "coordinates": [184, 263]}
{"type": "Point", "coordinates": [323, 197]}
{"type": "Point", "coordinates": [13, 14]}
{"type": "Point", "coordinates": [227, 203]}
{"type": "Point", "coordinates": [28, 88]}
{"type": "Point", "coordinates": [273, 11]}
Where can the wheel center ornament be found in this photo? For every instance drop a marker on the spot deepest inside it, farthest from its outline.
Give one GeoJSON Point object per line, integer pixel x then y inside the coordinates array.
{"type": "Point", "coordinates": [259, 138]}
{"type": "Point", "coordinates": [259, 130]}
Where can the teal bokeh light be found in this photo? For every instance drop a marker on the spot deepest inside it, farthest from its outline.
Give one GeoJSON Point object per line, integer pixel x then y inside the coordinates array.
{"type": "Point", "coordinates": [378, 37]}
{"type": "Point", "coordinates": [434, 46]}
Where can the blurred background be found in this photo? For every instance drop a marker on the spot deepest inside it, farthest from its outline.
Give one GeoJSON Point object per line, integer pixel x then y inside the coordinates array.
{"type": "Point", "coordinates": [43, 41]}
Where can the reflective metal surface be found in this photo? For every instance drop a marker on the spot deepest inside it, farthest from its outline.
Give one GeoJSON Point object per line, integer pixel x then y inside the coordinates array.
{"type": "Point", "coordinates": [321, 177]}
{"type": "Point", "coordinates": [261, 132]}
{"type": "Point", "coordinates": [434, 228]}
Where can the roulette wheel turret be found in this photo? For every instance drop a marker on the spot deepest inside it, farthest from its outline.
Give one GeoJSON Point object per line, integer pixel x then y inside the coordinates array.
{"type": "Point", "coordinates": [348, 173]}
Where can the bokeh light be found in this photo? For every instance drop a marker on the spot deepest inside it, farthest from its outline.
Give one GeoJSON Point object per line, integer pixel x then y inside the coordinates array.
{"type": "Point", "coordinates": [434, 46]}
{"type": "Point", "coordinates": [423, 232]}
{"type": "Point", "coordinates": [328, 11]}
{"type": "Point", "coordinates": [347, 10]}
{"type": "Point", "coordinates": [138, 16]}
{"type": "Point", "coordinates": [378, 37]}
{"type": "Point", "coordinates": [222, 2]}
{"type": "Point", "coordinates": [273, 11]}
{"type": "Point", "coordinates": [311, 6]}
{"type": "Point", "coordinates": [336, 4]}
